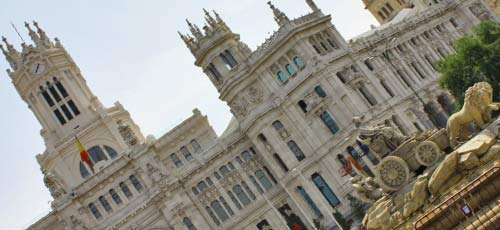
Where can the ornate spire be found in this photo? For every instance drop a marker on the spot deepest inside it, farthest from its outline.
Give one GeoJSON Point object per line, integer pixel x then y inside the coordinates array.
{"type": "Point", "coordinates": [210, 20]}
{"type": "Point", "coordinates": [219, 19]}
{"type": "Point", "coordinates": [43, 36]}
{"type": "Point", "coordinates": [34, 36]}
{"type": "Point", "coordinates": [279, 16]}
{"type": "Point", "coordinates": [195, 30]}
{"type": "Point", "coordinates": [11, 54]}
{"type": "Point", "coordinates": [312, 5]}
{"type": "Point", "coordinates": [188, 41]}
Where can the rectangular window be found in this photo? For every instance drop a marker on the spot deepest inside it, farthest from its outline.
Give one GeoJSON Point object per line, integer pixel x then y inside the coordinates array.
{"type": "Point", "coordinates": [47, 98]}
{"type": "Point", "coordinates": [325, 190]}
{"type": "Point", "coordinates": [59, 116]}
{"type": "Point", "coordinates": [309, 201]}
{"type": "Point", "coordinates": [54, 93]}
{"type": "Point", "coordinates": [73, 107]}
{"type": "Point", "coordinates": [329, 122]}
{"type": "Point", "coordinates": [66, 112]}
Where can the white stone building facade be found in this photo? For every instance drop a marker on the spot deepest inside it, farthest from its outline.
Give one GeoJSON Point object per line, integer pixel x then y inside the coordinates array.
{"type": "Point", "coordinates": [297, 101]}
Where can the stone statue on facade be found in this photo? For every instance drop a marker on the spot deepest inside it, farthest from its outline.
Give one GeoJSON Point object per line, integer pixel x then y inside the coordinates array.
{"type": "Point", "coordinates": [367, 189]}
{"type": "Point", "coordinates": [381, 139]}
{"type": "Point", "coordinates": [127, 133]}
{"type": "Point", "coordinates": [54, 184]}
{"type": "Point", "coordinates": [477, 108]}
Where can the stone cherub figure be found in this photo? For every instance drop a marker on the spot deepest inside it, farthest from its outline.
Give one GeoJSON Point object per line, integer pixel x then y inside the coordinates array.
{"type": "Point", "coordinates": [127, 133]}
{"type": "Point", "coordinates": [367, 189]}
{"type": "Point", "coordinates": [477, 108]}
{"type": "Point", "coordinates": [382, 139]}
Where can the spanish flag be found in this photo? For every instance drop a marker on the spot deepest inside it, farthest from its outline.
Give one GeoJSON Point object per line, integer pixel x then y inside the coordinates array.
{"type": "Point", "coordinates": [84, 155]}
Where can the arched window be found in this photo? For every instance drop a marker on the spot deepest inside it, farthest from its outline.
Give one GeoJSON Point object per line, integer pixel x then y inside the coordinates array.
{"type": "Point", "coordinates": [329, 122]}
{"type": "Point", "coordinates": [47, 97]}
{"type": "Point", "coordinates": [202, 186]}
{"type": "Point", "coordinates": [298, 61]}
{"type": "Point", "coordinates": [230, 58]}
{"type": "Point", "coordinates": [195, 191]}
{"type": "Point", "coordinates": [319, 91]}
{"type": "Point", "coordinates": [290, 69]}
{"type": "Point", "coordinates": [125, 190]}
{"type": "Point", "coordinates": [111, 152]}
{"type": "Point", "coordinates": [226, 206]}
{"type": "Point", "coordinates": [325, 189]}
{"type": "Point", "coordinates": [369, 65]}
{"type": "Point", "coordinates": [231, 166]}
{"type": "Point", "coordinates": [309, 201]}
{"type": "Point", "coordinates": [53, 92]}
{"type": "Point", "coordinates": [83, 171]}
{"type": "Point", "coordinates": [246, 155]}
{"type": "Point", "coordinates": [242, 196]}
{"type": "Point", "coordinates": [175, 159]}
{"type": "Point", "coordinates": [135, 182]}
{"type": "Point", "coordinates": [248, 190]}
{"type": "Point", "coordinates": [217, 176]}
{"type": "Point", "coordinates": [95, 211]}
{"type": "Point", "coordinates": [303, 106]}
{"type": "Point", "coordinates": [381, 15]}
{"type": "Point", "coordinates": [196, 146]}
{"type": "Point", "coordinates": [73, 107]}
{"type": "Point", "coordinates": [389, 7]}
{"type": "Point", "coordinates": [235, 201]}
{"type": "Point", "coordinates": [278, 126]}
{"type": "Point", "coordinates": [187, 222]}
{"type": "Point", "coordinates": [61, 88]}
{"type": "Point", "coordinates": [185, 152]}
{"type": "Point", "coordinates": [215, 205]}
{"type": "Point", "coordinates": [238, 159]}
{"type": "Point", "coordinates": [263, 225]}
{"type": "Point", "coordinates": [257, 185]}
{"type": "Point", "coordinates": [387, 88]}
{"type": "Point", "coordinates": [264, 181]}
{"type": "Point", "coordinates": [224, 170]}
{"type": "Point", "coordinates": [105, 204]}
{"type": "Point", "coordinates": [116, 198]}
{"type": "Point", "coordinates": [296, 150]}
{"type": "Point", "coordinates": [214, 72]}
{"type": "Point", "coordinates": [212, 215]}
{"type": "Point", "coordinates": [209, 181]}
{"type": "Point", "coordinates": [280, 162]}
{"type": "Point", "coordinates": [270, 174]}
{"type": "Point", "coordinates": [96, 154]}
{"type": "Point", "coordinates": [385, 11]}
{"type": "Point", "coordinates": [282, 76]}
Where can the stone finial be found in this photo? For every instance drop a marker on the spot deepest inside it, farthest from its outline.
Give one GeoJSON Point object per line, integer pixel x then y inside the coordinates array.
{"type": "Point", "coordinates": [312, 5]}
{"type": "Point", "coordinates": [210, 20]}
{"type": "Point", "coordinates": [33, 35]}
{"type": "Point", "coordinates": [43, 36]}
{"type": "Point", "coordinates": [194, 30]}
{"type": "Point", "coordinates": [11, 54]}
{"type": "Point", "coordinates": [279, 16]}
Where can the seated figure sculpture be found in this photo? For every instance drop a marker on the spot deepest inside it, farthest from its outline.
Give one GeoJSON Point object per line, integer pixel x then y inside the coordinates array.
{"type": "Point", "coordinates": [381, 139]}
{"type": "Point", "coordinates": [477, 108]}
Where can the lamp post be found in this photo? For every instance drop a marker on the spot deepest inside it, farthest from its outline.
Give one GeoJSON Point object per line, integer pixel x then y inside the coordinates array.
{"type": "Point", "coordinates": [385, 53]}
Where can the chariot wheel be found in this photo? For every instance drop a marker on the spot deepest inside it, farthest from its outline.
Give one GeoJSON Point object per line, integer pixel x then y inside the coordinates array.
{"type": "Point", "coordinates": [428, 153]}
{"type": "Point", "coordinates": [392, 173]}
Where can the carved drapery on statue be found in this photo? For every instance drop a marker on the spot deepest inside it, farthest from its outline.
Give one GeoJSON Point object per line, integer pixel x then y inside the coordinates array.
{"type": "Point", "coordinates": [54, 184]}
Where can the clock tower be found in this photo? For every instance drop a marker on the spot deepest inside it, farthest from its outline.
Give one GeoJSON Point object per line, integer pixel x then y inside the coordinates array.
{"type": "Point", "coordinates": [50, 82]}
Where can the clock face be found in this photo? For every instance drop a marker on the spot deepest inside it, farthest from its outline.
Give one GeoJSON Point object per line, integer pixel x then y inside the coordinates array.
{"type": "Point", "coordinates": [38, 68]}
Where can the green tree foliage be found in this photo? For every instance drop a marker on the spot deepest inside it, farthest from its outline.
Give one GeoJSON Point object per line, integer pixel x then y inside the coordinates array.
{"type": "Point", "coordinates": [340, 220]}
{"type": "Point", "coordinates": [357, 206]}
{"type": "Point", "coordinates": [477, 59]}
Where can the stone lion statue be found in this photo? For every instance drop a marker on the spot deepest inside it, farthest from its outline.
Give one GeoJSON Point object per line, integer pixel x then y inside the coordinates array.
{"type": "Point", "coordinates": [478, 104]}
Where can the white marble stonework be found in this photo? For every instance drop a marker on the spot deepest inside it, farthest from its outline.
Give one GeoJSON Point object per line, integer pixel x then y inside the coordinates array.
{"type": "Point", "coordinates": [293, 99]}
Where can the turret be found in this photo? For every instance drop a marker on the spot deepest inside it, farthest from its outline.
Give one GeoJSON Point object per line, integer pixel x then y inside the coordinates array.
{"type": "Point", "coordinates": [48, 80]}
{"type": "Point", "coordinates": [216, 49]}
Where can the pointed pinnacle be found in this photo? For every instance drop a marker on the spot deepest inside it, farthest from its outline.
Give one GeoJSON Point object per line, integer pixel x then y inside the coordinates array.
{"type": "Point", "coordinates": [206, 12]}
{"type": "Point", "coordinates": [188, 22]}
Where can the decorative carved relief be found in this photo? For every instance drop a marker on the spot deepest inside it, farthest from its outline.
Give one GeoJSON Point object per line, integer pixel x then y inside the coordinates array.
{"type": "Point", "coordinates": [54, 184]}
{"type": "Point", "coordinates": [127, 134]}
{"type": "Point", "coordinates": [239, 106]}
{"type": "Point", "coordinates": [154, 173]}
{"type": "Point", "coordinates": [77, 224]}
{"type": "Point", "coordinates": [255, 94]}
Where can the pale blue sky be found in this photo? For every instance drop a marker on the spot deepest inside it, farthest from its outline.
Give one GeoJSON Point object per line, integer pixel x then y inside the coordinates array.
{"type": "Point", "coordinates": [128, 51]}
